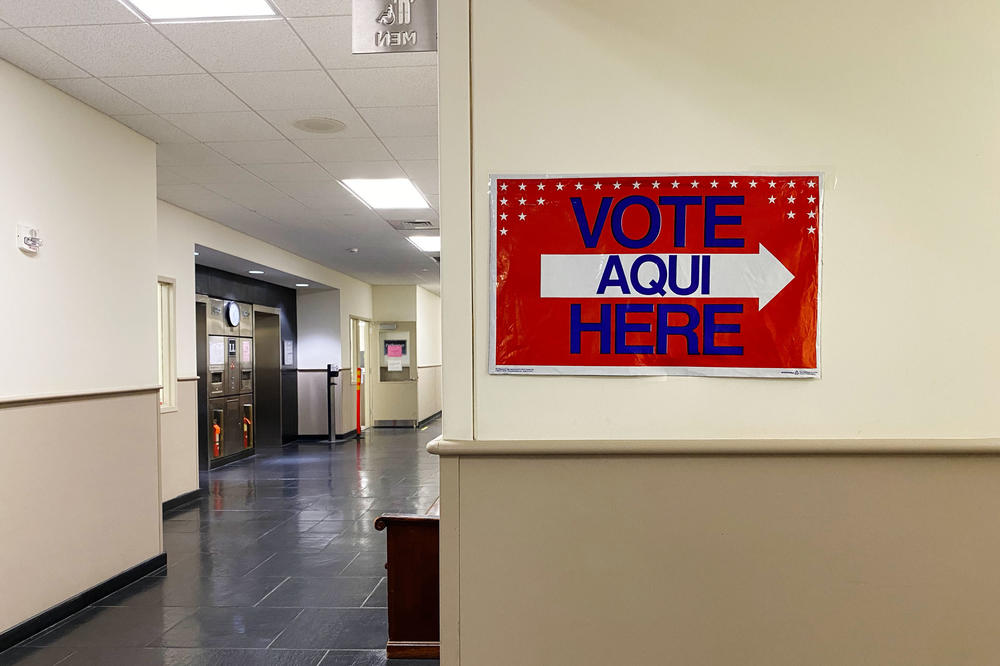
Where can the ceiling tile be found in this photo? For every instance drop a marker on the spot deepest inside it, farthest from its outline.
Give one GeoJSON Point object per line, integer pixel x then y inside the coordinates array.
{"type": "Point", "coordinates": [412, 147]}
{"type": "Point", "coordinates": [284, 120]}
{"type": "Point", "coordinates": [31, 13]}
{"type": "Point", "coordinates": [290, 8]}
{"type": "Point", "coordinates": [241, 46]}
{"type": "Point", "coordinates": [99, 95]}
{"type": "Point", "coordinates": [330, 39]}
{"type": "Point", "coordinates": [344, 150]}
{"type": "Point", "coordinates": [24, 52]}
{"type": "Point", "coordinates": [402, 120]}
{"type": "Point", "coordinates": [410, 214]}
{"type": "Point", "coordinates": [155, 128]}
{"type": "Point", "coordinates": [253, 195]}
{"type": "Point", "coordinates": [261, 152]}
{"type": "Point", "coordinates": [239, 218]}
{"type": "Point", "coordinates": [192, 197]}
{"type": "Point", "coordinates": [231, 126]}
{"type": "Point", "coordinates": [423, 173]}
{"type": "Point", "coordinates": [389, 86]}
{"type": "Point", "coordinates": [286, 90]}
{"type": "Point", "coordinates": [302, 173]}
{"type": "Point", "coordinates": [342, 170]}
{"type": "Point", "coordinates": [181, 93]}
{"type": "Point", "coordinates": [184, 154]}
{"type": "Point", "coordinates": [330, 191]}
{"type": "Point", "coordinates": [213, 174]}
{"type": "Point", "coordinates": [116, 50]}
{"type": "Point", "coordinates": [166, 176]}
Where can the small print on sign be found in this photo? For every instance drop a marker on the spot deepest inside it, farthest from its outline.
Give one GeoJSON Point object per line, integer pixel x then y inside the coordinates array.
{"type": "Point", "coordinates": [683, 274]}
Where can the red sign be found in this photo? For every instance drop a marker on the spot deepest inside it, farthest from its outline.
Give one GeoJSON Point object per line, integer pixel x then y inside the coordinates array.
{"type": "Point", "coordinates": [656, 275]}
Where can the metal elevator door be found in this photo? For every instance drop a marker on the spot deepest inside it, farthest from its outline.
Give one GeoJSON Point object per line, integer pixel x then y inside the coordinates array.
{"type": "Point", "coordinates": [267, 379]}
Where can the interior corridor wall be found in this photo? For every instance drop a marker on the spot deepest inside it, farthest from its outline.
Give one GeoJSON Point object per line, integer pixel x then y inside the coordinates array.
{"type": "Point", "coordinates": [411, 401]}
{"type": "Point", "coordinates": [180, 230]}
{"type": "Point", "coordinates": [319, 345]}
{"type": "Point", "coordinates": [428, 353]}
{"type": "Point", "coordinates": [79, 470]}
{"type": "Point", "coordinates": [397, 400]}
{"type": "Point", "coordinates": [740, 558]}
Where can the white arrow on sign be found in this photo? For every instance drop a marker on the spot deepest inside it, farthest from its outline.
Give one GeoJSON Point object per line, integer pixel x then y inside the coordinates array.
{"type": "Point", "coordinates": [759, 276]}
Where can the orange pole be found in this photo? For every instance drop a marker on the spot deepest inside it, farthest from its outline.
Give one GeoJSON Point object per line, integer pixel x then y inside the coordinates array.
{"type": "Point", "coordinates": [357, 405]}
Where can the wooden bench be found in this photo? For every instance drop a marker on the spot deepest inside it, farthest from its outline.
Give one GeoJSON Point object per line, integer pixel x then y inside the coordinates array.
{"type": "Point", "coordinates": [412, 580]}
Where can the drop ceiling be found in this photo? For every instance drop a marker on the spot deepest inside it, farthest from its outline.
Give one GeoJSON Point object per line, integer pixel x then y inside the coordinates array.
{"type": "Point", "coordinates": [220, 100]}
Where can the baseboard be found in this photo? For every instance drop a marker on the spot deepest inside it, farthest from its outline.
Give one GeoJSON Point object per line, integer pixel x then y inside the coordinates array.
{"type": "Point", "coordinates": [181, 500]}
{"type": "Point", "coordinates": [221, 462]}
{"type": "Point", "coordinates": [396, 423]}
{"type": "Point", "coordinates": [322, 440]}
{"type": "Point", "coordinates": [413, 650]}
{"type": "Point", "coordinates": [46, 619]}
{"type": "Point", "coordinates": [429, 419]}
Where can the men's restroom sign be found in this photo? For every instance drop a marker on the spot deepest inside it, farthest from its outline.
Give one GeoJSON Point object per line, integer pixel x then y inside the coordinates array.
{"type": "Point", "coordinates": [713, 275]}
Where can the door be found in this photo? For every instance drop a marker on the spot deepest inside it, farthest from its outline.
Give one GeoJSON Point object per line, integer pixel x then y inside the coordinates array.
{"type": "Point", "coordinates": [267, 379]}
{"type": "Point", "coordinates": [361, 331]}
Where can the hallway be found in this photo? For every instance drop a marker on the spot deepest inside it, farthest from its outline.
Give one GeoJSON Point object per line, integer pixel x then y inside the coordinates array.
{"type": "Point", "coordinates": [278, 563]}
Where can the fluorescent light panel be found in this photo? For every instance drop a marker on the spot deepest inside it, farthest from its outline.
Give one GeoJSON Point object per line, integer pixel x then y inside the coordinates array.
{"type": "Point", "coordinates": [386, 193]}
{"type": "Point", "coordinates": [200, 10]}
{"type": "Point", "coordinates": [255, 272]}
{"type": "Point", "coordinates": [426, 243]}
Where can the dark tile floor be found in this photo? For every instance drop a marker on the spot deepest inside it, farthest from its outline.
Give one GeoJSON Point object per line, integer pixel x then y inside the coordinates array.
{"type": "Point", "coordinates": [278, 564]}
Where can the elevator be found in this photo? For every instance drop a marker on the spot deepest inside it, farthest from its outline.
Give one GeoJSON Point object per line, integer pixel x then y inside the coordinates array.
{"type": "Point", "coordinates": [226, 387]}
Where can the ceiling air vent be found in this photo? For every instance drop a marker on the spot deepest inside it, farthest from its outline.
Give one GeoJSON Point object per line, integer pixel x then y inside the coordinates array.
{"type": "Point", "coordinates": [418, 224]}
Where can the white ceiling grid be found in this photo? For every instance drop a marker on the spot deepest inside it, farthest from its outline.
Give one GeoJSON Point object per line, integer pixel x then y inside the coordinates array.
{"type": "Point", "coordinates": [220, 99]}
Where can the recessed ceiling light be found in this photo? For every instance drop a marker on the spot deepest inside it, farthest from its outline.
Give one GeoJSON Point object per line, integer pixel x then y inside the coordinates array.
{"type": "Point", "coordinates": [426, 243]}
{"type": "Point", "coordinates": [201, 10]}
{"type": "Point", "coordinates": [386, 193]}
{"type": "Point", "coordinates": [255, 272]}
{"type": "Point", "coordinates": [318, 125]}
{"type": "Point", "coordinates": [352, 250]}
{"type": "Point", "coordinates": [301, 284]}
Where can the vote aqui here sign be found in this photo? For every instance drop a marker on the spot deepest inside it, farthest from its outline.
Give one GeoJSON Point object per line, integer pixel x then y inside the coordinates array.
{"type": "Point", "coordinates": [683, 274]}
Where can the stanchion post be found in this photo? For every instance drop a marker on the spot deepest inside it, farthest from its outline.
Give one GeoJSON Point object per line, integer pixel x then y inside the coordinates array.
{"type": "Point", "coordinates": [357, 406]}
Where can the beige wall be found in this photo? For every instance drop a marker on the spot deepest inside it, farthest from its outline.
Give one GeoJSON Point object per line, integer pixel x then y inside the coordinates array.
{"type": "Point", "coordinates": [179, 428]}
{"type": "Point", "coordinates": [393, 401]}
{"type": "Point", "coordinates": [91, 508]}
{"type": "Point", "coordinates": [79, 475]}
{"type": "Point", "coordinates": [89, 185]}
{"type": "Point", "coordinates": [319, 343]}
{"type": "Point", "coordinates": [657, 87]}
{"type": "Point", "coordinates": [428, 353]}
{"type": "Point", "coordinates": [736, 558]}
{"type": "Point", "coordinates": [419, 399]}
{"type": "Point", "coordinates": [179, 442]}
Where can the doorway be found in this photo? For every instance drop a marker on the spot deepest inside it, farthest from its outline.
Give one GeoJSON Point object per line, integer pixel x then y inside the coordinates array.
{"type": "Point", "coordinates": [267, 378]}
{"type": "Point", "coordinates": [360, 359]}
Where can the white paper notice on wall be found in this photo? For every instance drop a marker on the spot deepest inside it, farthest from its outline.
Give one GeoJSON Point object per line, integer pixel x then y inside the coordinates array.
{"type": "Point", "coordinates": [217, 352]}
{"type": "Point", "coordinates": [245, 351]}
{"type": "Point", "coordinates": [395, 365]}
{"type": "Point", "coordinates": [289, 356]}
